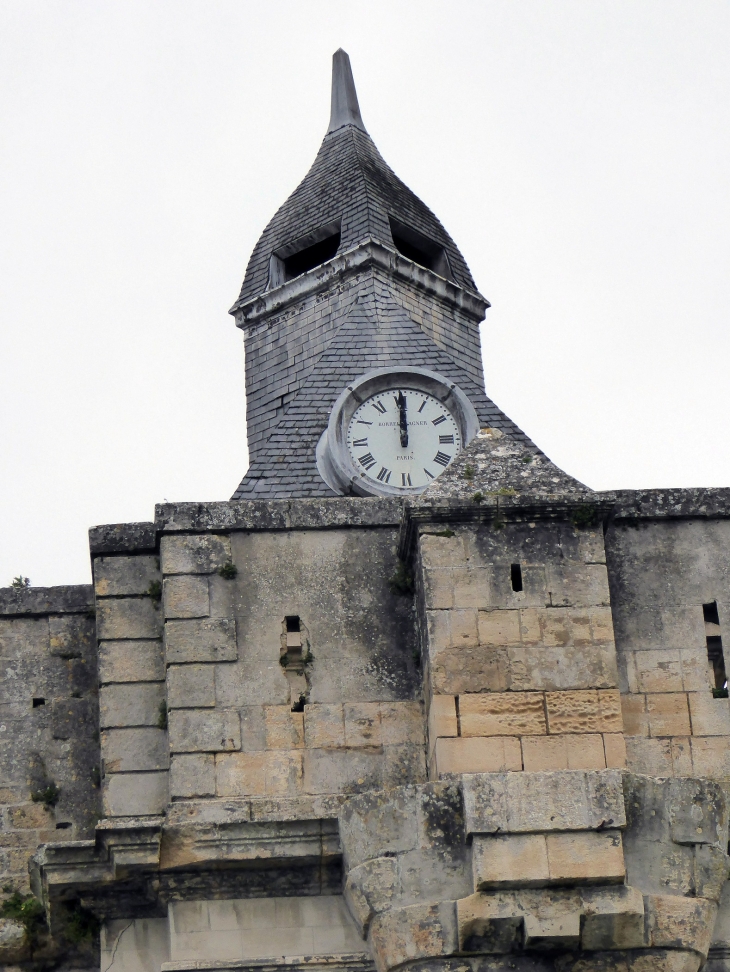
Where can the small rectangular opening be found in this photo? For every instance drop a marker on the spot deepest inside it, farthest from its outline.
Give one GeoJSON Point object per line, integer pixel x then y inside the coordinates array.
{"type": "Point", "coordinates": [516, 575]}
{"type": "Point", "coordinates": [37, 703]}
{"type": "Point", "coordinates": [64, 825]}
{"type": "Point", "coordinates": [304, 254]}
{"type": "Point", "coordinates": [418, 248]}
{"type": "Point", "coordinates": [710, 612]}
{"type": "Point", "coordinates": [715, 652]}
{"type": "Point", "coordinates": [293, 623]}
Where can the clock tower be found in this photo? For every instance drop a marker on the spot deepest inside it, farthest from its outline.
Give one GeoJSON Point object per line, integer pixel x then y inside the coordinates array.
{"type": "Point", "coordinates": [361, 326]}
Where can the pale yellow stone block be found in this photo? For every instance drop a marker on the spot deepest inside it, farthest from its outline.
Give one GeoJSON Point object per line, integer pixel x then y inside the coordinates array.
{"type": "Point", "coordinates": [502, 714]}
{"type": "Point", "coordinates": [634, 714]}
{"type": "Point", "coordinates": [650, 757]}
{"type": "Point", "coordinates": [499, 754]}
{"type": "Point", "coordinates": [585, 752]}
{"type": "Point", "coordinates": [544, 753]}
{"type": "Point", "coordinates": [711, 757]}
{"type": "Point", "coordinates": [510, 861]}
{"type": "Point", "coordinates": [697, 675]}
{"type": "Point", "coordinates": [362, 723]}
{"type": "Point", "coordinates": [581, 629]}
{"type": "Point", "coordinates": [668, 714]}
{"type": "Point", "coordinates": [530, 630]}
{"type": "Point", "coordinates": [186, 596]}
{"type": "Point", "coordinates": [442, 718]}
{"type": "Point", "coordinates": [602, 624]}
{"type": "Point", "coordinates": [283, 773]}
{"type": "Point", "coordinates": [240, 774]}
{"type": "Point", "coordinates": [401, 722]}
{"type": "Point", "coordinates": [681, 751]}
{"type": "Point", "coordinates": [555, 627]}
{"type": "Point", "coordinates": [584, 711]}
{"type": "Point", "coordinates": [284, 728]}
{"type": "Point", "coordinates": [438, 624]}
{"type": "Point", "coordinates": [439, 588]}
{"type": "Point", "coordinates": [614, 746]}
{"type": "Point", "coordinates": [709, 716]}
{"type": "Point", "coordinates": [442, 551]}
{"type": "Point", "coordinates": [463, 628]}
{"type": "Point", "coordinates": [497, 628]}
{"type": "Point", "coordinates": [659, 670]}
{"type": "Point", "coordinates": [471, 587]}
{"type": "Point", "coordinates": [324, 726]}
{"type": "Point", "coordinates": [586, 857]}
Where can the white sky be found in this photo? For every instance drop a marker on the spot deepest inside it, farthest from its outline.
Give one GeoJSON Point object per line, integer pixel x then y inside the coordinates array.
{"type": "Point", "coordinates": [576, 150]}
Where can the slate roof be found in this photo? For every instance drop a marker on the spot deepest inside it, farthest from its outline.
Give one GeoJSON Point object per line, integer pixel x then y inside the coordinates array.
{"type": "Point", "coordinates": [376, 332]}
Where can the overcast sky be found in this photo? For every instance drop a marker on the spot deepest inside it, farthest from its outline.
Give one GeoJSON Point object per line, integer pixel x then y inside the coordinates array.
{"type": "Point", "coordinates": [576, 150]}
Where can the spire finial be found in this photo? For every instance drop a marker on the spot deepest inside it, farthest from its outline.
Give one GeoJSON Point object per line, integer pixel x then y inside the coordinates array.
{"type": "Point", "coordinates": [345, 109]}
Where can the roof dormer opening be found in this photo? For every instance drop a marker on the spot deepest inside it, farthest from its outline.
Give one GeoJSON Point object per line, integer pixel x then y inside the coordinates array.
{"type": "Point", "coordinates": [418, 248]}
{"type": "Point", "coordinates": [304, 254]}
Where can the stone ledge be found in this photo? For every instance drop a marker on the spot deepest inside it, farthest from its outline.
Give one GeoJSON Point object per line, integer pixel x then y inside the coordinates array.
{"type": "Point", "coordinates": [357, 962]}
{"type": "Point", "coordinates": [122, 538]}
{"type": "Point", "coordinates": [293, 514]}
{"type": "Point", "coordinates": [660, 504]}
{"type": "Point", "coordinates": [72, 599]}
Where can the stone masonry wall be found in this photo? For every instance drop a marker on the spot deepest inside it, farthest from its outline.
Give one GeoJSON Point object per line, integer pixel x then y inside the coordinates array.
{"type": "Point", "coordinates": [49, 731]}
{"type": "Point", "coordinates": [518, 680]}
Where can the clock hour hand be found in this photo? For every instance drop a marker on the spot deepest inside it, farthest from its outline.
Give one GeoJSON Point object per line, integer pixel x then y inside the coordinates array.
{"type": "Point", "coordinates": [401, 403]}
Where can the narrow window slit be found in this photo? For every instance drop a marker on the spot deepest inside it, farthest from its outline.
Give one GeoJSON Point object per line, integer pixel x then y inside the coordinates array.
{"type": "Point", "coordinates": [715, 652]}
{"type": "Point", "coordinates": [63, 825]}
{"type": "Point", "coordinates": [37, 703]}
{"type": "Point", "coordinates": [516, 575]}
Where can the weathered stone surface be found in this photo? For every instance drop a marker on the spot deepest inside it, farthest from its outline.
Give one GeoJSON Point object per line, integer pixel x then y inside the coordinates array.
{"type": "Point", "coordinates": [502, 714]}
{"type": "Point", "coordinates": [259, 774]}
{"type": "Point", "coordinates": [207, 640]}
{"type": "Point", "coordinates": [131, 704]}
{"type": "Point", "coordinates": [13, 941]}
{"type": "Point", "coordinates": [135, 794]}
{"type": "Point", "coordinates": [584, 712]}
{"type": "Point", "coordinates": [70, 636]}
{"type": "Point", "coordinates": [69, 717]}
{"type": "Point", "coordinates": [123, 618]}
{"type": "Point", "coordinates": [477, 755]}
{"type": "Point", "coordinates": [186, 596]}
{"type": "Point", "coordinates": [129, 750]}
{"type": "Point", "coordinates": [677, 922]}
{"type": "Point", "coordinates": [419, 931]}
{"type": "Point", "coordinates": [131, 661]}
{"type": "Point", "coordinates": [117, 576]}
{"type": "Point", "coordinates": [122, 538]}
{"type": "Point", "coordinates": [203, 730]}
{"type": "Point", "coordinates": [192, 775]}
{"type": "Point", "coordinates": [540, 753]}
{"type": "Point", "coordinates": [442, 719]}
{"type": "Point", "coordinates": [28, 601]}
{"type": "Point", "coordinates": [196, 554]}
{"type": "Point", "coordinates": [190, 686]}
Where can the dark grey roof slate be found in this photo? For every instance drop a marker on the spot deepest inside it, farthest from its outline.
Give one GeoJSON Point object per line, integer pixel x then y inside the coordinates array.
{"type": "Point", "coordinates": [376, 332]}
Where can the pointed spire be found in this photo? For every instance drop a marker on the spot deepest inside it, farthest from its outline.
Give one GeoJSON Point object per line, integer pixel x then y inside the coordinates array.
{"type": "Point", "coordinates": [345, 109]}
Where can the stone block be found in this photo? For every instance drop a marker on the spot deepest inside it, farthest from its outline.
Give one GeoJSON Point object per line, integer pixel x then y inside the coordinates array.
{"type": "Point", "coordinates": [134, 750]}
{"type": "Point", "coordinates": [709, 716]}
{"type": "Point", "coordinates": [614, 746]}
{"type": "Point", "coordinates": [510, 861]}
{"type": "Point", "coordinates": [133, 617]}
{"type": "Point", "coordinates": [613, 919]}
{"type": "Point", "coordinates": [543, 802]}
{"type": "Point", "coordinates": [678, 922]}
{"type": "Point", "coordinates": [489, 923]}
{"type": "Point", "coordinates": [370, 888]}
{"type": "Point", "coordinates": [190, 686]}
{"type": "Point", "coordinates": [541, 668]}
{"type": "Point", "coordinates": [696, 670]}
{"type": "Point", "coordinates": [502, 714]}
{"type": "Point", "coordinates": [559, 931]}
{"type": "Point", "coordinates": [681, 753]}
{"type": "Point", "coordinates": [634, 715]}
{"type": "Point", "coordinates": [192, 775]}
{"type": "Point", "coordinates": [131, 661]}
{"type": "Point", "coordinates": [283, 728]}
{"type": "Point", "coordinates": [204, 730]}
{"type": "Point", "coordinates": [324, 726]}
{"type": "Point", "coordinates": [194, 554]}
{"type": "Point", "coordinates": [477, 755]}
{"type": "Point", "coordinates": [442, 551]}
{"type": "Point", "coordinates": [342, 770]}
{"type": "Point", "coordinates": [601, 624]}
{"type": "Point", "coordinates": [438, 628]}
{"type": "Point", "coordinates": [471, 587]}
{"type": "Point", "coordinates": [122, 576]}
{"type": "Point", "coordinates": [72, 717]}
{"type": "Point", "coordinates": [420, 931]}
{"type": "Point", "coordinates": [71, 636]}
{"type": "Point", "coordinates": [130, 704]}
{"type": "Point", "coordinates": [710, 871]}
{"type": "Point", "coordinates": [240, 774]}
{"type": "Point", "coordinates": [284, 773]}
{"type": "Point", "coordinates": [402, 722]}
{"type": "Point", "coordinates": [404, 764]}
{"type": "Point", "coordinates": [477, 669]}
{"type": "Point", "coordinates": [135, 794]}
{"type": "Point", "coordinates": [362, 724]}
{"type": "Point", "coordinates": [584, 712]}
{"type": "Point", "coordinates": [586, 858]}
{"type": "Point", "coordinates": [711, 757]}
{"type": "Point", "coordinates": [659, 670]}
{"type": "Point", "coordinates": [438, 588]}
{"type": "Point", "coordinates": [463, 628]}
{"type": "Point", "coordinates": [651, 757]}
{"type": "Point", "coordinates": [668, 714]}
{"type": "Point", "coordinates": [499, 628]}
{"type": "Point", "coordinates": [579, 752]}
{"type": "Point", "coordinates": [577, 585]}
{"type": "Point", "coordinates": [253, 728]}
{"type": "Point", "coordinates": [555, 627]}
{"type": "Point", "coordinates": [186, 596]}
{"type": "Point", "coordinates": [442, 718]}
{"type": "Point", "coordinates": [206, 640]}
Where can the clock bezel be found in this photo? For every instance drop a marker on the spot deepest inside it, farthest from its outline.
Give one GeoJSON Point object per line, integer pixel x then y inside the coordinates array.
{"type": "Point", "coordinates": [334, 462]}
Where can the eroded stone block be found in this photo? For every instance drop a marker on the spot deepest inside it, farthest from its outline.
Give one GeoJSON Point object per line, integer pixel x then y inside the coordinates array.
{"type": "Point", "coordinates": [133, 617]}
{"type": "Point", "coordinates": [510, 861]}
{"type": "Point", "coordinates": [584, 712]}
{"type": "Point", "coordinates": [121, 576]}
{"type": "Point", "coordinates": [478, 755]}
{"type": "Point", "coordinates": [502, 714]}
{"type": "Point", "coordinates": [206, 640]}
{"type": "Point", "coordinates": [195, 554]}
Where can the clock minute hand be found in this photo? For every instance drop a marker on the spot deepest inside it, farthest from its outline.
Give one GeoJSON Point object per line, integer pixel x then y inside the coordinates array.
{"type": "Point", "coordinates": [401, 402]}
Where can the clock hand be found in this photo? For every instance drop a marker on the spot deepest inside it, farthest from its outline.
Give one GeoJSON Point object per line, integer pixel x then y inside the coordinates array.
{"type": "Point", "coordinates": [401, 402]}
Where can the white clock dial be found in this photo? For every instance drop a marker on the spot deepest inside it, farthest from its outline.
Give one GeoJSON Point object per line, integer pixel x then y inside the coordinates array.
{"type": "Point", "coordinates": [402, 438]}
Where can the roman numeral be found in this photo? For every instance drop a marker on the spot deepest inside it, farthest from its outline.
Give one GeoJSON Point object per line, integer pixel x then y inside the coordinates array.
{"type": "Point", "coordinates": [405, 479]}
{"type": "Point", "coordinates": [364, 443]}
{"type": "Point", "coordinates": [425, 402]}
{"type": "Point", "coordinates": [442, 459]}
{"type": "Point", "coordinates": [443, 440]}
{"type": "Point", "coordinates": [384, 475]}
{"type": "Point", "coordinates": [366, 460]}
{"type": "Point", "coordinates": [363, 422]}
{"type": "Point", "coordinates": [429, 474]}
{"type": "Point", "coordinates": [379, 406]}
{"type": "Point", "coordinates": [439, 420]}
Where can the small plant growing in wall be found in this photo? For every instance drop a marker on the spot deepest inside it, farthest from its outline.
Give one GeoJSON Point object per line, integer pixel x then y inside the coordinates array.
{"type": "Point", "coordinates": [81, 926]}
{"type": "Point", "coordinates": [584, 517]}
{"type": "Point", "coordinates": [478, 496]}
{"type": "Point", "coordinates": [27, 910]}
{"type": "Point", "coordinates": [20, 582]}
{"type": "Point", "coordinates": [229, 571]}
{"type": "Point", "coordinates": [154, 591]}
{"type": "Point", "coordinates": [162, 716]}
{"type": "Point", "coordinates": [468, 472]}
{"type": "Point", "coordinates": [47, 795]}
{"type": "Point", "coordinates": [402, 580]}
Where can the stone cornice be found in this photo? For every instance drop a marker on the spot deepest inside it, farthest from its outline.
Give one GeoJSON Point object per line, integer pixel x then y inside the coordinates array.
{"type": "Point", "coordinates": [371, 253]}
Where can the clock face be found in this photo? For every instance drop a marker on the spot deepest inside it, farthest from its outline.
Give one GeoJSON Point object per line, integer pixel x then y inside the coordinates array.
{"type": "Point", "coordinates": [402, 438]}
